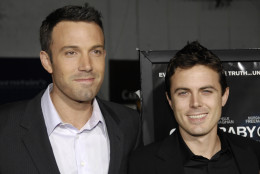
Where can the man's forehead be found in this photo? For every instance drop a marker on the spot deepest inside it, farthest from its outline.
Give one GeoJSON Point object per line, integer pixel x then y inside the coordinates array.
{"type": "Point", "coordinates": [199, 76]}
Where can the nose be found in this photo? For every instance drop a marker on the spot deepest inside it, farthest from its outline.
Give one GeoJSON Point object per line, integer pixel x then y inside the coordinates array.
{"type": "Point", "coordinates": [85, 63]}
{"type": "Point", "coordinates": [195, 101]}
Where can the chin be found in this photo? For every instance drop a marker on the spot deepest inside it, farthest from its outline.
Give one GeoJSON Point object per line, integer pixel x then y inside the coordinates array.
{"type": "Point", "coordinates": [199, 133]}
{"type": "Point", "coordinates": [83, 98]}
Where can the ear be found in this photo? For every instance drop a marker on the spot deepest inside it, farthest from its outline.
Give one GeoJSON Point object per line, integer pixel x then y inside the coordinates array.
{"type": "Point", "coordinates": [225, 96]}
{"type": "Point", "coordinates": [169, 100]}
{"type": "Point", "coordinates": [46, 61]}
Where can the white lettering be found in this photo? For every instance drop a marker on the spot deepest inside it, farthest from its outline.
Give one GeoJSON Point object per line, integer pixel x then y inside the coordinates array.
{"type": "Point", "coordinates": [251, 131]}
{"type": "Point", "coordinates": [162, 74]}
{"type": "Point", "coordinates": [231, 130]}
{"type": "Point", "coordinates": [241, 131]}
{"type": "Point", "coordinates": [256, 73]}
{"type": "Point", "coordinates": [258, 131]}
{"type": "Point", "coordinates": [237, 73]}
{"type": "Point", "coordinates": [223, 128]}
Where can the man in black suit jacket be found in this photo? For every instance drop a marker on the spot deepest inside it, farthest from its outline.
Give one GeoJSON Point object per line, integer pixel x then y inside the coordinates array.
{"type": "Point", "coordinates": [31, 142]}
{"type": "Point", "coordinates": [196, 90]}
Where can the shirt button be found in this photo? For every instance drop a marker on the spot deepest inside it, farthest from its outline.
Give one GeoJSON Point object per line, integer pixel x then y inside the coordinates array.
{"type": "Point", "coordinates": [82, 163]}
{"type": "Point", "coordinates": [77, 137]}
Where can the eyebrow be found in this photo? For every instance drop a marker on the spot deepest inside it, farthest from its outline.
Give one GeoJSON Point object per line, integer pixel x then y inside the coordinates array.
{"type": "Point", "coordinates": [178, 89]}
{"type": "Point", "coordinates": [210, 87]}
{"type": "Point", "coordinates": [68, 47]}
{"type": "Point", "coordinates": [202, 88]}
{"type": "Point", "coordinates": [76, 47]}
{"type": "Point", "coordinates": [97, 46]}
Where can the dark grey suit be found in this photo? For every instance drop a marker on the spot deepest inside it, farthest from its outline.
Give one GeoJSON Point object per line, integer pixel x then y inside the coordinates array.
{"type": "Point", "coordinates": [165, 157]}
{"type": "Point", "coordinates": [25, 147]}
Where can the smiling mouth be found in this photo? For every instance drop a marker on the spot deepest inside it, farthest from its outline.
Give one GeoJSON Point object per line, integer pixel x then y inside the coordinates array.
{"type": "Point", "coordinates": [197, 116]}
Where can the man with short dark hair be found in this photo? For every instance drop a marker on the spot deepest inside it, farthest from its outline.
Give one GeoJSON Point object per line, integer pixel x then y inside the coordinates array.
{"type": "Point", "coordinates": [196, 90]}
{"type": "Point", "coordinates": [66, 128]}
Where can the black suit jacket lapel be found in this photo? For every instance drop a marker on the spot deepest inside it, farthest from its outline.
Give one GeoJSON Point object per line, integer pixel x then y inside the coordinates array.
{"type": "Point", "coordinates": [35, 138]}
{"type": "Point", "coordinates": [116, 137]}
{"type": "Point", "coordinates": [169, 159]}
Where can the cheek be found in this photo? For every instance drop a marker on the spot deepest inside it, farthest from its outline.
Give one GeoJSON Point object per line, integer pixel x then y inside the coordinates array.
{"type": "Point", "coordinates": [99, 66]}
{"type": "Point", "coordinates": [214, 102]}
{"type": "Point", "coordinates": [64, 71]}
{"type": "Point", "coordinates": [179, 106]}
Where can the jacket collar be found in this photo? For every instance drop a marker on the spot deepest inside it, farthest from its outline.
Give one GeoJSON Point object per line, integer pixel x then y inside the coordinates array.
{"type": "Point", "coordinates": [115, 135]}
{"type": "Point", "coordinates": [35, 137]}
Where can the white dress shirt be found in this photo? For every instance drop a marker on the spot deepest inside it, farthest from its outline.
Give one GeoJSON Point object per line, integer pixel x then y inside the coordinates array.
{"type": "Point", "coordinates": [84, 151]}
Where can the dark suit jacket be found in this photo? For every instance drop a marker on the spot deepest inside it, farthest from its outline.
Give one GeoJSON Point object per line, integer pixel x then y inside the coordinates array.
{"type": "Point", "coordinates": [165, 157]}
{"type": "Point", "coordinates": [25, 147]}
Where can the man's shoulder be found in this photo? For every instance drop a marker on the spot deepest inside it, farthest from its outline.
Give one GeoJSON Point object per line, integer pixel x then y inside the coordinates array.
{"type": "Point", "coordinates": [13, 111]}
{"type": "Point", "coordinates": [126, 119]}
{"type": "Point", "coordinates": [151, 150]}
{"type": "Point", "coordinates": [147, 152]}
{"type": "Point", "coordinates": [11, 114]}
{"type": "Point", "coordinates": [17, 106]}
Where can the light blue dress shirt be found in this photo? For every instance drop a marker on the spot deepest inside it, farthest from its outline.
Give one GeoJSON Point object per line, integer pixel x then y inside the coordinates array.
{"type": "Point", "coordinates": [84, 151]}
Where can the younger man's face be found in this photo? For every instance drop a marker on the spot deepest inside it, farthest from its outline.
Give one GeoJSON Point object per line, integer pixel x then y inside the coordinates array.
{"type": "Point", "coordinates": [196, 100]}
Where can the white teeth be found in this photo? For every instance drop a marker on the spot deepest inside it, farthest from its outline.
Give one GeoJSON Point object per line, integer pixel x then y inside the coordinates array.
{"type": "Point", "coordinates": [197, 116]}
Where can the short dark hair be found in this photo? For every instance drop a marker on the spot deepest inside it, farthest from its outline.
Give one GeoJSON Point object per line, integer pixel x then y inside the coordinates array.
{"type": "Point", "coordinates": [84, 13]}
{"type": "Point", "coordinates": [194, 54]}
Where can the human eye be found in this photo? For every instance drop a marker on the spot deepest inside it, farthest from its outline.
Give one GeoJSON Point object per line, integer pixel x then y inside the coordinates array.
{"type": "Point", "coordinates": [70, 53]}
{"type": "Point", "coordinates": [207, 91]}
{"type": "Point", "coordinates": [97, 52]}
{"type": "Point", "coordinates": [182, 93]}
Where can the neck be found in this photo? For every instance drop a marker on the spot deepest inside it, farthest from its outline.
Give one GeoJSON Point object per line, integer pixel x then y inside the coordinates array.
{"type": "Point", "coordinates": [205, 145]}
{"type": "Point", "coordinates": [72, 112]}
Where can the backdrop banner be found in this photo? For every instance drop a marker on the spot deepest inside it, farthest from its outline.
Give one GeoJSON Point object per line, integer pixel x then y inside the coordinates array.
{"type": "Point", "coordinates": [241, 115]}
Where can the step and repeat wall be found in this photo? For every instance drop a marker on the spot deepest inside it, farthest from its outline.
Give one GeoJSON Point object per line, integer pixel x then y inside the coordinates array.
{"type": "Point", "coordinates": [240, 116]}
